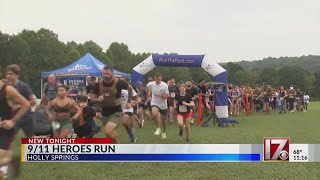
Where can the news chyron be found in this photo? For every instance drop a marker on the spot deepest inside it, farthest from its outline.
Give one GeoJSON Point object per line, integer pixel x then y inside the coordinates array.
{"type": "Point", "coordinates": [276, 149]}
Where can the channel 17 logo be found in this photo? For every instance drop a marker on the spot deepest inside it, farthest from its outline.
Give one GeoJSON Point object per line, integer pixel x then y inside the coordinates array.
{"type": "Point", "coordinates": [276, 149]}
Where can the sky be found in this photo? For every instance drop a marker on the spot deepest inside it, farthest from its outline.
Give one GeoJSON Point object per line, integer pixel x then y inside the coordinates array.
{"type": "Point", "coordinates": [224, 30]}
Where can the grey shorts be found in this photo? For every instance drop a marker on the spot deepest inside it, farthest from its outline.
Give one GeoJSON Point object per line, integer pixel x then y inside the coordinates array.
{"type": "Point", "coordinates": [163, 112]}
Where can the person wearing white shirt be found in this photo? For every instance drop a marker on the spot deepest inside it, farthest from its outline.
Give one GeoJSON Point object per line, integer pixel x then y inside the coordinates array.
{"type": "Point", "coordinates": [306, 99]}
{"type": "Point", "coordinates": [159, 92]}
{"type": "Point", "coordinates": [128, 117]}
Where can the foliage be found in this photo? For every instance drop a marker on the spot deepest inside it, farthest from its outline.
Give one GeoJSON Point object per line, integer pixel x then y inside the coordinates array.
{"type": "Point", "coordinates": [41, 50]}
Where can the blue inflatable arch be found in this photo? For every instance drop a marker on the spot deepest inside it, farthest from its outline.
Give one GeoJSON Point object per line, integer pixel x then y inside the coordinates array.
{"type": "Point", "coordinates": [219, 74]}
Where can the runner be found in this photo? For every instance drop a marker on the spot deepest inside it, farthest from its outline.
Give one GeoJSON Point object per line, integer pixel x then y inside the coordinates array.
{"type": "Point", "coordinates": [184, 106]}
{"type": "Point", "coordinates": [92, 90]}
{"type": "Point", "coordinates": [173, 90]}
{"type": "Point", "coordinates": [192, 91]}
{"type": "Point", "coordinates": [129, 117]}
{"type": "Point", "coordinates": [282, 97]}
{"type": "Point", "coordinates": [267, 95]}
{"type": "Point", "coordinates": [160, 92]}
{"type": "Point", "coordinates": [62, 107]}
{"type": "Point", "coordinates": [136, 98]}
{"type": "Point", "coordinates": [110, 98]}
{"type": "Point", "coordinates": [202, 92]}
{"type": "Point", "coordinates": [306, 99]}
{"type": "Point", "coordinates": [26, 122]}
{"type": "Point", "coordinates": [8, 120]}
{"type": "Point", "coordinates": [258, 99]}
{"type": "Point", "coordinates": [291, 94]}
{"type": "Point", "coordinates": [85, 127]}
{"type": "Point", "coordinates": [143, 105]}
{"type": "Point", "coordinates": [235, 100]}
{"type": "Point", "coordinates": [299, 100]}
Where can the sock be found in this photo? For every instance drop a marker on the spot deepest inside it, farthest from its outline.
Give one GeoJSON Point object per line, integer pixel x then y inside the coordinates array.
{"type": "Point", "coordinates": [131, 134]}
{"type": "Point", "coordinates": [4, 169]}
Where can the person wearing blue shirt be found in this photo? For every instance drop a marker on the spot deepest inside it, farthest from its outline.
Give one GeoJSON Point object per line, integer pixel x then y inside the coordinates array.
{"type": "Point", "coordinates": [26, 122]}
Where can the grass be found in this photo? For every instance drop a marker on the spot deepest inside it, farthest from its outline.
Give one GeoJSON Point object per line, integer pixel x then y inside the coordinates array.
{"type": "Point", "coordinates": [300, 127]}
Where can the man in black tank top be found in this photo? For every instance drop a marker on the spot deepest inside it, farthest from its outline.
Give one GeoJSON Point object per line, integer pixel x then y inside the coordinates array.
{"type": "Point", "coordinates": [110, 99]}
{"type": "Point", "coordinates": [7, 124]}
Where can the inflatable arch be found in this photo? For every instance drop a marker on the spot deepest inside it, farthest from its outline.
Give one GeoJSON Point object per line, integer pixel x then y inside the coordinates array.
{"type": "Point", "coordinates": [219, 74]}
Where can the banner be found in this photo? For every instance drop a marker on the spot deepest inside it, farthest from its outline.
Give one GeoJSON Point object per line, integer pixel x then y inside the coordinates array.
{"type": "Point", "coordinates": [102, 150]}
{"type": "Point", "coordinates": [74, 81]}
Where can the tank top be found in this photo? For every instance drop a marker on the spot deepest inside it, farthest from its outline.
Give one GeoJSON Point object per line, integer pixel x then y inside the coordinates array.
{"type": "Point", "coordinates": [5, 110]}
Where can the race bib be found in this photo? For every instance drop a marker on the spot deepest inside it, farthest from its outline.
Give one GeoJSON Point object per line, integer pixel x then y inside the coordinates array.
{"type": "Point", "coordinates": [173, 94]}
{"type": "Point", "coordinates": [290, 96]}
{"type": "Point", "coordinates": [281, 98]}
{"type": "Point", "coordinates": [183, 109]}
{"type": "Point", "coordinates": [106, 94]}
{"type": "Point", "coordinates": [297, 98]}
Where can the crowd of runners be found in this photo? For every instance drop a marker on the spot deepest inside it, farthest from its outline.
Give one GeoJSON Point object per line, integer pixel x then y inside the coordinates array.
{"type": "Point", "coordinates": [265, 98]}
{"type": "Point", "coordinates": [114, 101]}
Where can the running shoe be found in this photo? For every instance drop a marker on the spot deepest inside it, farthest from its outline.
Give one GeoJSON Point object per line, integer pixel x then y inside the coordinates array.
{"type": "Point", "coordinates": [164, 136]}
{"type": "Point", "coordinates": [158, 131]}
{"type": "Point", "coordinates": [134, 140]}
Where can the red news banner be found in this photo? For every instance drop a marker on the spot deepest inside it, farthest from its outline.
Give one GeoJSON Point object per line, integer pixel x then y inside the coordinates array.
{"type": "Point", "coordinates": [66, 141]}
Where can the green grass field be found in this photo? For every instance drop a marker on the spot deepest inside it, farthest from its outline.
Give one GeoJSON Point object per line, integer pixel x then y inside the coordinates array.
{"type": "Point", "coordinates": [300, 127]}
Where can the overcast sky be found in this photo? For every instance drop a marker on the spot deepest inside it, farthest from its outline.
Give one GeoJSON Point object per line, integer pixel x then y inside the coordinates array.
{"type": "Point", "coordinates": [225, 30]}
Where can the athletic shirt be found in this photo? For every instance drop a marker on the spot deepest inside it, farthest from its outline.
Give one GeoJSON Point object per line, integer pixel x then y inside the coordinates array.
{"type": "Point", "coordinates": [158, 90]}
{"type": "Point", "coordinates": [5, 110]}
{"type": "Point", "coordinates": [192, 91]}
{"type": "Point", "coordinates": [124, 100]}
{"type": "Point", "coordinates": [180, 107]}
{"type": "Point", "coordinates": [173, 90]}
{"type": "Point", "coordinates": [93, 89]}
{"type": "Point", "coordinates": [51, 90]}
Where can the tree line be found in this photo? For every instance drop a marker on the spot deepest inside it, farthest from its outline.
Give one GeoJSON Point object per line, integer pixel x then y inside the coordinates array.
{"type": "Point", "coordinates": [37, 51]}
